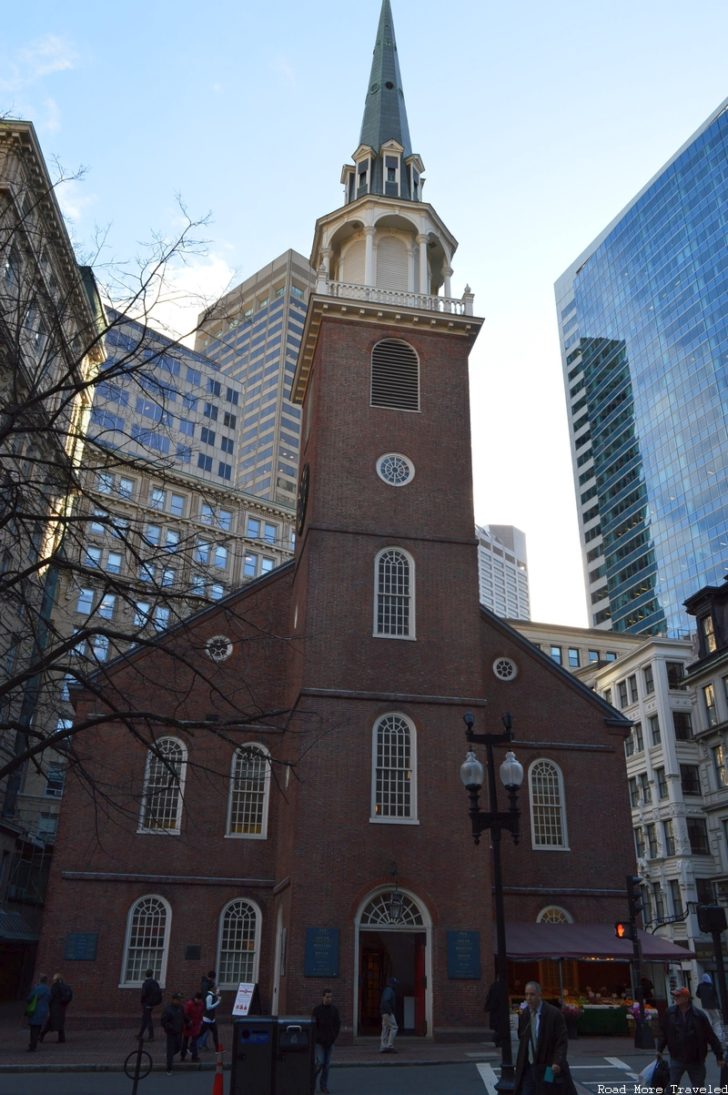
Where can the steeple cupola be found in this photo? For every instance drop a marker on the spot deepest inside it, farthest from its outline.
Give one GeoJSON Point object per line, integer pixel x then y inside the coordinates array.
{"type": "Point", "coordinates": [384, 249]}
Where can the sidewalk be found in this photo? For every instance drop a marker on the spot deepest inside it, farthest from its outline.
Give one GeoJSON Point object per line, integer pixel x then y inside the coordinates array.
{"type": "Point", "coordinates": [106, 1050]}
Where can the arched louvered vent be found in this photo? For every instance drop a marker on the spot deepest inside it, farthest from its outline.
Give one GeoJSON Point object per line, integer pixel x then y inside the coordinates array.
{"type": "Point", "coordinates": [395, 376]}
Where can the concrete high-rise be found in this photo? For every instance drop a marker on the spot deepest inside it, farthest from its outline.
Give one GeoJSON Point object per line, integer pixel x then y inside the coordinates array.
{"type": "Point", "coordinates": [254, 333]}
{"type": "Point", "coordinates": [503, 571]}
{"type": "Point", "coordinates": [643, 318]}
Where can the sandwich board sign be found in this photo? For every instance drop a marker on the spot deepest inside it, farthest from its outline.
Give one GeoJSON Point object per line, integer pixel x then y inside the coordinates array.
{"type": "Point", "coordinates": [246, 1000]}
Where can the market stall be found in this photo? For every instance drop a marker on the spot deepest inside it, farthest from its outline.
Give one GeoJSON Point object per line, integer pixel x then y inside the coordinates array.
{"type": "Point", "coordinates": [586, 970]}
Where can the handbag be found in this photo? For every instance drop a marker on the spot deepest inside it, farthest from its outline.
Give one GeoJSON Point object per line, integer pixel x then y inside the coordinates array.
{"type": "Point", "coordinates": [31, 1006]}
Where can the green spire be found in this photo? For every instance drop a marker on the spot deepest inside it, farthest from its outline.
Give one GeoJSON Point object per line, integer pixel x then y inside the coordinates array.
{"type": "Point", "coordinates": [385, 115]}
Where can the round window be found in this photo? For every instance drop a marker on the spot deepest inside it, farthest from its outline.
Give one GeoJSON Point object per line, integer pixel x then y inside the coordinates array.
{"type": "Point", "coordinates": [219, 648]}
{"type": "Point", "coordinates": [505, 669]}
{"type": "Point", "coordinates": [395, 469]}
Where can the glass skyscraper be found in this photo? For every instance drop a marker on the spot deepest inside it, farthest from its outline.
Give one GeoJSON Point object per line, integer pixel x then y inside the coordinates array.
{"type": "Point", "coordinates": [643, 319]}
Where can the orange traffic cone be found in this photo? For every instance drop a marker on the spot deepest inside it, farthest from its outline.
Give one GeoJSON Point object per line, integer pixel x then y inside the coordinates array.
{"type": "Point", "coordinates": [218, 1087]}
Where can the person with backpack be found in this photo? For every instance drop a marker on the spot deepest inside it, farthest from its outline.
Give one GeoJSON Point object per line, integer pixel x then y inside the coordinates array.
{"type": "Point", "coordinates": [209, 1016]}
{"type": "Point", "coordinates": [206, 983]}
{"type": "Point", "coordinates": [151, 998]}
{"type": "Point", "coordinates": [61, 996]}
{"type": "Point", "coordinates": [36, 1010]}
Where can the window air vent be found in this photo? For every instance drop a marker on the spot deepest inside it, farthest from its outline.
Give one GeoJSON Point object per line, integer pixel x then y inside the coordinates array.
{"type": "Point", "coordinates": [395, 376]}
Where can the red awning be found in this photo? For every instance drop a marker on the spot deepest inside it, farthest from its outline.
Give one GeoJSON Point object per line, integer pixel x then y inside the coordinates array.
{"type": "Point", "coordinates": [586, 941]}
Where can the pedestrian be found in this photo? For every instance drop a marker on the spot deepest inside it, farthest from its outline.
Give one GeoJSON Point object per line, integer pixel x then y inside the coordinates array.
{"type": "Point", "coordinates": [387, 1006]}
{"type": "Point", "coordinates": [707, 993]}
{"type": "Point", "coordinates": [209, 1015]}
{"type": "Point", "coordinates": [542, 1046]}
{"type": "Point", "coordinates": [61, 996]}
{"type": "Point", "coordinates": [327, 1027]}
{"type": "Point", "coordinates": [206, 983]}
{"type": "Point", "coordinates": [173, 1021]}
{"type": "Point", "coordinates": [37, 1008]}
{"type": "Point", "coordinates": [151, 998]}
{"type": "Point", "coordinates": [687, 1033]}
{"type": "Point", "coordinates": [193, 1010]}
{"type": "Point", "coordinates": [496, 1003]}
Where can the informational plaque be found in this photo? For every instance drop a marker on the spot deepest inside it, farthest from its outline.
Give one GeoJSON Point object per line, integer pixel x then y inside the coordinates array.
{"type": "Point", "coordinates": [463, 956]}
{"type": "Point", "coordinates": [244, 999]}
{"type": "Point", "coordinates": [322, 952]}
{"type": "Point", "coordinates": [80, 947]}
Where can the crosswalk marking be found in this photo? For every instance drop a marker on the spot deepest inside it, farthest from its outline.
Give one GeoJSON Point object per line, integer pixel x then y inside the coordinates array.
{"type": "Point", "coordinates": [488, 1077]}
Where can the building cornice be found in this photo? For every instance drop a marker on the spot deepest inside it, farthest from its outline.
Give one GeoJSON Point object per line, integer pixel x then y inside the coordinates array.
{"type": "Point", "coordinates": [400, 318]}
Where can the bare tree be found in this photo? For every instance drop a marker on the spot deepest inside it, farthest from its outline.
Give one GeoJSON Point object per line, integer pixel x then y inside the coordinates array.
{"type": "Point", "coordinates": [87, 574]}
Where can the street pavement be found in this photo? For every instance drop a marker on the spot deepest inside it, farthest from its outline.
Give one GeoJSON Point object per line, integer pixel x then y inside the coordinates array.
{"type": "Point", "coordinates": [608, 1061]}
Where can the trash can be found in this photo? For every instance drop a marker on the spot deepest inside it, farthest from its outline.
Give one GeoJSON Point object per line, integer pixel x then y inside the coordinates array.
{"type": "Point", "coordinates": [251, 1063]}
{"type": "Point", "coordinates": [293, 1062]}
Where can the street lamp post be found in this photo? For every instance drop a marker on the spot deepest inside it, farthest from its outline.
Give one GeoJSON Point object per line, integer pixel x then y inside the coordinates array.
{"type": "Point", "coordinates": [511, 774]}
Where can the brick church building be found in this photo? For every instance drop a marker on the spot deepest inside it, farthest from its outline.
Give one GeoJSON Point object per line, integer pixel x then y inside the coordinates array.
{"type": "Point", "coordinates": [288, 808]}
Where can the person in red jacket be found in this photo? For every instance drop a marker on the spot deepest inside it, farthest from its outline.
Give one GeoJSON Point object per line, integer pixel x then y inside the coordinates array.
{"type": "Point", "coordinates": [193, 1009]}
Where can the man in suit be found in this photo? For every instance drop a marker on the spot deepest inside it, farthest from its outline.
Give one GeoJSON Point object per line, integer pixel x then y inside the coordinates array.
{"type": "Point", "coordinates": [542, 1047]}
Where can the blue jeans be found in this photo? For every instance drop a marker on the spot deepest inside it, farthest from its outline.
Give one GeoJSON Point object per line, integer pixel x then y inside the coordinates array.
{"type": "Point", "coordinates": [695, 1070]}
{"type": "Point", "coordinates": [323, 1063]}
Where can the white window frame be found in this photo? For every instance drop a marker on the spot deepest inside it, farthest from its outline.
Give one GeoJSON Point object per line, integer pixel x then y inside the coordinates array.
{"type": "Point", "coordinates": [148, 962]}
{"type": "Point", "coordinates": [227, 984]}
{"type": "Point", "coordinates": [380, 593]}
{"type": "Point", "coordinates": [240, 755]}
{"type": "Point", "coordinates": [563, 845]}
{"type": "Point", "coordinates": [376, 817]}
{"type": "Point", "coordinates": [152, 759]}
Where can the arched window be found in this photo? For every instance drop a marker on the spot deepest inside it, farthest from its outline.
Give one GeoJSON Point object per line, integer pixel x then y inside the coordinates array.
{"type": "Point", "coordinates": [554, 914]}
{"type": "Point", "coordinates": [548, 808]}
{"type": "Point", "coordinates": [249, 788]}
{"type": "Point", "coordinates": [394, 769]}
{"type": "Point", "coordinates": [239, 944]}
{"type": "Point", "coordinates": [147, 940]}
{"type": "Point", "coordinates": [395, 376]}
{"type": "Point", "coordinates": [394, 594]}
{"type": "Point", "coordinates": [164, 782]}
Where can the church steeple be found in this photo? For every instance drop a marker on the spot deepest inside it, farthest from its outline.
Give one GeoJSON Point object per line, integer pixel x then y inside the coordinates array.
{"type": "Point", "coordinates": [385, 114]}
{"type": "Point", "coordinates": [384, 162]}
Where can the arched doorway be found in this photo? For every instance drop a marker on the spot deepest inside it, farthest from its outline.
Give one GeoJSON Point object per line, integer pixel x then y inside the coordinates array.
{"type": "Point", "coordinates": [393, 930]}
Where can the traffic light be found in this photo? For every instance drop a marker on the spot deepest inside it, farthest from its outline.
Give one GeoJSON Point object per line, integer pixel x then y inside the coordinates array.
{"type": "Point", "coordinates": [622, 929]}
{"type": "Point", "coordinates": [634, 896]}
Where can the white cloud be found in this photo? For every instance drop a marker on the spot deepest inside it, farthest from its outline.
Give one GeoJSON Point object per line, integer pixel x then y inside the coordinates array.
{"type": "Point", "coordinates": [183, 291]}
{"type": "Point", "coordinates": [73, 200]}
{"type": "Point", "coordinates": [46, 56]}
{"type": "Point", "coordinates": [32, 63]}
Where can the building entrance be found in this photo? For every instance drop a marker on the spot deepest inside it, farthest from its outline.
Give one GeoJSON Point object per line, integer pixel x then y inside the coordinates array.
{"type": "Point", "coordinates": [393, 943]}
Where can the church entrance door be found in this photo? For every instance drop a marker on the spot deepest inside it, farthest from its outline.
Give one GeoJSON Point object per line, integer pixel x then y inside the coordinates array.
{"type": "Point", "coordinates": [395, 948]}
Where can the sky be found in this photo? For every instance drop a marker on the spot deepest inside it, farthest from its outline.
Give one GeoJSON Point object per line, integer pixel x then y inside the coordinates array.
{"type": "Point", "coordinates": [537, 123]}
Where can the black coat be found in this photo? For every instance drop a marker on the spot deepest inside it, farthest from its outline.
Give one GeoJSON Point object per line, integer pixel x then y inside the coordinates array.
{"type": "Point", "coordinates": [551, 1047]}
{"type": "Point", "coordinates": [173, 1019]}
{"type": "Point", "coordinates": [698, 1025]}
{"type": "Point", "coordinates": [328, 1024]}
{"type": "Point", "coordinates": [60, 1000]}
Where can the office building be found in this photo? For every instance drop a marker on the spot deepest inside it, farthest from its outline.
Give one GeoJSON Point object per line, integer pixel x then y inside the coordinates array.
{"type": "Point", "coordinates": [643, 318]}
{"type": "Point", "coordinates": [503, 571]}
{"type": "Point", "coordinates": [253, 334]}
{"type": "Point", "coordinates": [49, 355]}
